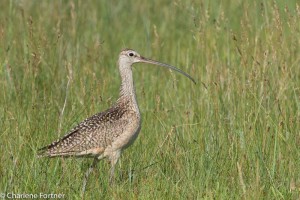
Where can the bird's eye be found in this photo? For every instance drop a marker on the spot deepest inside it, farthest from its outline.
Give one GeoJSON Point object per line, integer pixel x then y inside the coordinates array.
{"type": "Point", "coordinates": [131, 54]}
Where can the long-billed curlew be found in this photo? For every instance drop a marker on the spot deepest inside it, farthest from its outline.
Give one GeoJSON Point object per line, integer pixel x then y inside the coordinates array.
{"type": "Point", "coordinates": [107, 133]}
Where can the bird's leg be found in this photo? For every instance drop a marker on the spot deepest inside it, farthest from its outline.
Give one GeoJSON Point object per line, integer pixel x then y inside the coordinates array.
{"type": "Point", "coordinates": [113, 161]}
{"type": "Point", "coordinates": [87, 173]}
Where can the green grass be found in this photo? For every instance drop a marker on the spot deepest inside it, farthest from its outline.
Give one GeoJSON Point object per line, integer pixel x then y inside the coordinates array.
{"type": "Point", "coordinates": [234, 135]}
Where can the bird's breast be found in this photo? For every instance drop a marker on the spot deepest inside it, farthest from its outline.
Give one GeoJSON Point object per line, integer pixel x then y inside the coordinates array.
{"type": "Point", "coordinates": [129, 133]}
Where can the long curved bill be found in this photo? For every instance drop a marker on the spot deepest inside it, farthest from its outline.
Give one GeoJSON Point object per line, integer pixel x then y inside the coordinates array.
{"type": "Point", "coordinates": [147, 60]}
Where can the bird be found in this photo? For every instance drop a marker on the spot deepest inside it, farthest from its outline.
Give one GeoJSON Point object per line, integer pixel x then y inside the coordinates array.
{"type": "Point", "coordinates": [108, 133]}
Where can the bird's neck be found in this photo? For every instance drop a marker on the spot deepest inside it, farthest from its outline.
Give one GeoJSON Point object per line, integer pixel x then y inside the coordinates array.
{"type": "Point", "coordinates": [127, 90]}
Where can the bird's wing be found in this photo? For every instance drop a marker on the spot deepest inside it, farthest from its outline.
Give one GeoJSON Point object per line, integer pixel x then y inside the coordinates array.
{"type": "Point", "coordinates": [90, 137]}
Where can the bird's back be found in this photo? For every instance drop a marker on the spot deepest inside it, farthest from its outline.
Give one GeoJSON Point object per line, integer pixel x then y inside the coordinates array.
{"type": "Point", "coordinates": [114, 127]}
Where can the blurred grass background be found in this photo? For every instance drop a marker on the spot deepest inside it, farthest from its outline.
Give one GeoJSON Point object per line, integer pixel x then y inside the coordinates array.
{"type": "Point", "coordinates": [234, 135]}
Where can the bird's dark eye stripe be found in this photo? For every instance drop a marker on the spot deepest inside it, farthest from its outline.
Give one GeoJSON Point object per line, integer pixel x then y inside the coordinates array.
{"type": "Point", "coordinates": [131, 54]}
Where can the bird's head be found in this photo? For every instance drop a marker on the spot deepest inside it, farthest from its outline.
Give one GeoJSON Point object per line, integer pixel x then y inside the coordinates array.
{"type": "Point", "coordinates": [128, 57]}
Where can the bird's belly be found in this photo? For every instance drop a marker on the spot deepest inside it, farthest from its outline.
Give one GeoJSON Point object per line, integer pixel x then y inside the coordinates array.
{"type": "Point", "coordinates": [132, 138]}
{"type": "Point", "coordinates": [128, 137]}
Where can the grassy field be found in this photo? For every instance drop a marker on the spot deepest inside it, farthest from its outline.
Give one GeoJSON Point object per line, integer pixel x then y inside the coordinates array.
{"type": "Point", "coordinates": [234, 135]}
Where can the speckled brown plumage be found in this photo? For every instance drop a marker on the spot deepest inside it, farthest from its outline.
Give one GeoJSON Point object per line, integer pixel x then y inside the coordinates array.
{"type": "Point", "coordinates": [95, 133]}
